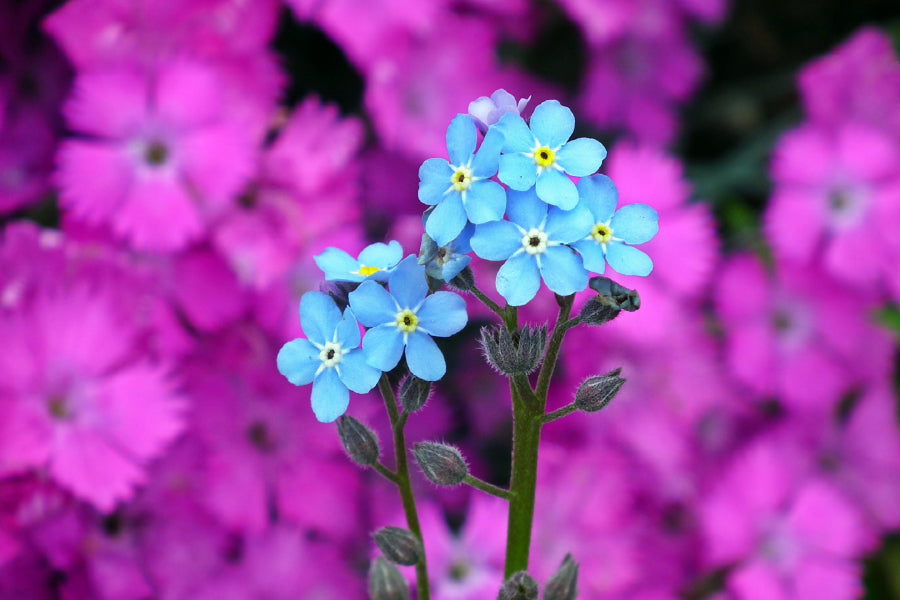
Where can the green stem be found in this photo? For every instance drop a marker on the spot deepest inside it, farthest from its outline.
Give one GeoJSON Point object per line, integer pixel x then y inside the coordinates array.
{"type": "Point", "coordinates": [484, 486]}
{"type": "Point", "coordinates": [493, 306]}
{"type": "Point", "coordinates": [552, 354]}
{"type": "Point", "coordinates": [398, 421]}
{"type": "Point", "coordinates": [559, 413]}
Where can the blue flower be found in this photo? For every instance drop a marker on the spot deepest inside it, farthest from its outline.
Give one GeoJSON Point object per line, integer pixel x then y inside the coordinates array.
{"type": "Point", "coordinates": [614, 232]}
{"type": "Point", "coordinates": [461, 190]}
{"type": "Point", "coordinates": [540, 154]}
{"type": "Point", "coordinates": [330, 358]}
{"type": "Point", "coordinates": [375, 262]}
{"type": "Point", "coordinates": [533, 244]}
{"type": "Point", "coordinates": [445, 262]}
{"type": "Point", "coordinates": [487, 111]}
{"type": "Point", "coordinates": [406, 318]}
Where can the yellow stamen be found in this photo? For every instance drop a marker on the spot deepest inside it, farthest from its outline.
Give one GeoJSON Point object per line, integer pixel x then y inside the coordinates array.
{"type": "Point", "coordinates": [544, 157]}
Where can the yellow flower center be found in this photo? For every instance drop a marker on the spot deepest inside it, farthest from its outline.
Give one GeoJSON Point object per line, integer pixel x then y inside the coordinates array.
{"type": "Point", "coordinates": [601, 233]}
{"type": "Point", "coordinates": [461, 179]}
{"type": "Point", "coordinates": [366, 271]}
{"type": "Point", "coordinates": [544, 157]}
{"type": "Point", "coordinates": [406, 321]}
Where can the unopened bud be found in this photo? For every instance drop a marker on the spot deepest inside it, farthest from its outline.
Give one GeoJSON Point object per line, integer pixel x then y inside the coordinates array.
{"type": "Point", "coordinates": [414, 393]}
{"type": "Point", "coordinates": [400, 546]}
{"type": "Point", "coordinates": [516, 352]}
{"type": "Point", "coordinates": [521, 586]}
{"type": "Point", "coordinates": [386, 582]}
{"type": "Point", "coordinates": [562, 586]}
{"type": "Point", "coordinates": [464, 280]}
{"type": "Point", "coordinates": [614, 294]}
{"type": "Point", "coordinates": [359, 441]}
{"type": "Point", "coordinates": [441, 464]}
{"type": "Point", "coordinates": [597, 312]}
{"type": "Point", "coordinates": [596, 392]}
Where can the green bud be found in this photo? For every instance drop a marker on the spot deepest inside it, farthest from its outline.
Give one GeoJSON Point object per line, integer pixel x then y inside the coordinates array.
{"type": "Point", "coordinates": [441, 464]}
{"type": "Point", "coordinates": [386, 582]}
{"type": "Point", "coordinates": [359, 441]}
{"type": "Point", "coordinates": [562, 586]}
{"type": "Point", "coordinates": [596, 392]}
{"type": "Point", "coordinates": [399, 546]}
{"type": "Point", "coordinates": [516, 352]}
{"type": "Point", "coordinates": [414, 393]}
{"type": "Point", "coordinates": [521, 586]}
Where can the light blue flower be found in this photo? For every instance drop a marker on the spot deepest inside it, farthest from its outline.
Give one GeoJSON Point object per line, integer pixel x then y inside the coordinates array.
{"type": "Point", "coordinates": [614, 232]}
{"type": "Point", "coordinates": [445, 262]}
{"type": "Point", "coordinates": [407, 318]}
{"type": "Point", "coordinates": [533, 244]}
{"type": "Point", "coordinates": [330, 358]}
{"type": "Point", "coordinates": [541, 155]}
{"type": "Point", "coordinates": [375, 262]}
{"type": "Point", "coordinates": [461, 190]}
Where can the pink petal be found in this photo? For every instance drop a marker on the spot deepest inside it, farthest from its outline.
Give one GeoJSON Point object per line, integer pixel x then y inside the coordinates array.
{"type": "Point", "coordinates": [794, 222]}
{"type": "Point", "coordinates": [158, 215]}
{"type": "Point", "coordinates": [111, 103]}
{"type": "Point", "coordinates": [188, 96]}
{"type": "Point", "coordinates": [94, 179]}
{"type": "Point", "coordinates": [217, 161]}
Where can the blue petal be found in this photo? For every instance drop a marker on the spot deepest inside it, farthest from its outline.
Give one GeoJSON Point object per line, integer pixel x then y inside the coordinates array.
{"type": "Point", "coordinates": [626, 260]}
{"type": "Point", "coordinates": [434, 180]}
{"type": "Point", "coordinates": [337, 265]}
{"type": "Point", "coordinates": [524, 209]}
{"type": "Point", "coordinates": [424, 358]}
{"type": "Point", "coordinates": [581, 157]}
{"type": "Point", "coordinates": [383, 346]}
{"type": "Point", "coordinates": [319, 316]}
{"type": "Point", "coordinates": [553, 187]}
{"type": "Point", "coordinates": [357, 375]}
{"type": "Point", "coordinates": [383, 256]}
{"type": "Point", "coordinates": [562, 270]}
{"type": "Point", "coordinates": [330, 396]}
{"type": "Point", "coordinates": [487, 159]}
{"type": "Point", "coordinates": [447, 220]}
{"type": "Point", "coordinates": [442, 314]}
{"type": "Point", "coordinates": [496, 240]}
{"type": "Point", "coordinates": [461, 139]}
{"type": "Point", "coordinates": [518, 279]}
{"type": "Point", "coordinates": [372, 305]}
{"type": "Point", "coordinates": [518, 171]}
{"type": "Point", "coordinates": [592, 255]}
{"type": "Point", "coordinates": [452, 268]}
{"type": "Point", "coordinates": [517, 135]}
{"type": "Point", "coordinates": [552, 123]}
{"type": "Point", "coordinates": [635, 223]}
{"type": "Point", "coordinates": [567, 226]}
{"type": "Point", "coordinates": [298, 361]}
{"type": "Point", "coordinates": [600, 196]}
{"type": "Point", "coordinates": [485, 201]}
{"type": "Point", "coordinates": [348, 331]}
{"type": "Point", "coordinates": [408, 284]}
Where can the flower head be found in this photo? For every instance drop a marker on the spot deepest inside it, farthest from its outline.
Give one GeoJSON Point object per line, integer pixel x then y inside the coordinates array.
{"type": "Point", "coordinates": [375, 261]}
{"type": "Point", "coordinates": [446, 262]}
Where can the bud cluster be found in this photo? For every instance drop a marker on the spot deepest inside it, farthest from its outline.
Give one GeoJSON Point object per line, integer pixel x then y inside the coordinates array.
{"type": "Point", "coordinates": [513, 353]}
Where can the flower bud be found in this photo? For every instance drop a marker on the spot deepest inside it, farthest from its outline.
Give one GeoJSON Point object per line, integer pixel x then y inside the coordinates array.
{"type": "Point", "coordinates": [615, 295]}
{"type": "Point", "coordinates": [359, 441]}
{"type": "Point", "coordinates": [562, 585]}
{"type": "Point", "coordinates": [516, 352]}
{"type": "Point", "coordinates": [386, 582]}
{"type": "Point", "coordinates": [441, 464]}
{"type": "Point", "coordinates": [597, 312]}
{"type": "Point", "coordinates": [521, 586]}
{"type": "Point", "coordinates": [596, 392]}
{"type": "Point", "coordinates": [414, 393]}
{"type": "Point", "coordinates": [399, 546]}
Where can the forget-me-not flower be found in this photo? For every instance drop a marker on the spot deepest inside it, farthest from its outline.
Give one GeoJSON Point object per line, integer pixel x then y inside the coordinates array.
{"type": "Point", "coordinates": [533, 244]}
{"type": "Point", "coordinates": [406, 318]}
{"type": "Point", "coordinates": [614, 232]}
{"type": "Point", "coordinates": [375, 262]}
{"type": "Point", "coordinates": [461, 190]}
{"type": "Point", "coordinates": [445, 262]}
{"type": "Point", "coordinates": [487, 111]}
{"type": "Point", "coordinates": [540, 154]}
{"type": "Point", "coordinates": [330, 358]}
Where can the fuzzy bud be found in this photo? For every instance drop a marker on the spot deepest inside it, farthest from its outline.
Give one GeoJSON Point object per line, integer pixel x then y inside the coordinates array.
{"type": "Point", "coordinates": [516, 352]}
{"type": "Point", "coordinates": [521, 586]}
{"type": "Point", "coordinates": [399, 546]}
{"type": "Point", "coordinates": [596, 392]}
{"type": "Point", "coordinates": [414, 393]}
{"type": "Point", "coordinates": [359, 441]}
{"type": "Point", "coordinates": [441, 464]}
{"type": "Point", "coordinates": [597, 312]}
{"type": "Point", "coordinates": [562, 586]}
{"type": "Point", "coordinates": [386, 582]}
{"type": "Point", "coordinates": [615, 295]}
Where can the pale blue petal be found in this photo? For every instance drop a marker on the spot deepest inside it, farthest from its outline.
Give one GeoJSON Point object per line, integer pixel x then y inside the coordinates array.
{"type": "Point", "coordinates": [553, 187]}
{"type": "Point", "coordinates": [485, 201]}
{"type": "Point", "coordinates": [424, 358]}
{"type": "Point", "coordinates": [626, 260]}
{"type": "Point", "coordinates": [461, 138]}
{"type": "Point", "coordinates": [357, 374]}
{"type": "Point", "coordinates": [298, 360]}
{"type": "Point", "coordinates": [635, 223]}
{"type": "Point", "coordinates": [518, 279]}
{"type": "Point", "coordinates": [447, 220]}
{"type": "Point", "coordinates": [517, 136]}
{"type": "Point", "coordinates": [330, 396]}
{"type": "Point", "coordinates": [442, 314]}
{"type": "Point", "coordinates": [348, 331]}
{"type": "Point", "coordinates": [568, 226]}
{"type": "Point", "coordinates": [434, 180]}
{"type": "Point", "coordinates": [552, 123]}
{"type": "Point", "coordinates": [372, 305]}
{"type": "Point", "coordinates": [337, 265]}
{"type": "Point", "coordinates": [487, 159]}
{"type": "Point", "coordinates": [408, 284]}
{"type": "Point", "coordinates": [383, 256]}
{"type": "Point", "coordinates": [562, 271]}
{"type": "Point", "coordinates": [518, 171]}
{"type": "Point", "coordinates": [592, 255]}
{"type": "Point", "coordinates": [524, 209]}
{"type": "Point", "coordinates": [599, 195]}
{"type": "Point", "coordinates": [496, 240]}
{"type": "Point", "coordinates": [319, 316]}
{"type": "Point", "coordinates": [383, 346]}
{"type": "Point", "coordinates": [581, 157]}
